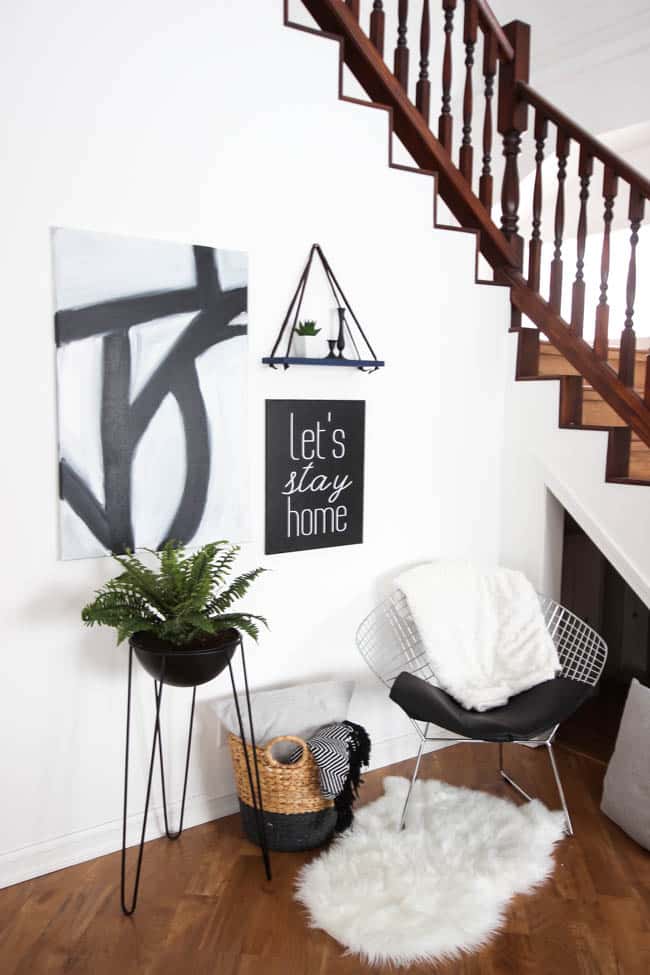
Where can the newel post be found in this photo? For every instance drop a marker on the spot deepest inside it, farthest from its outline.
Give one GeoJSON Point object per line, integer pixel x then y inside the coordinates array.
{"type": "Point", "coordinates": [512, 120]}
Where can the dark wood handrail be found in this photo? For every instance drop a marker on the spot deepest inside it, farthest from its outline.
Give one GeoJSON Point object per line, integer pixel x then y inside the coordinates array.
{"type": "Point", "coordinates": [504, 248]}
{"type": "Point", "coordinates": [382, 86]}
{"type": "Point", "coordinates": [490, 25]}
{"type": "Point", "coordinates": [583, 138]}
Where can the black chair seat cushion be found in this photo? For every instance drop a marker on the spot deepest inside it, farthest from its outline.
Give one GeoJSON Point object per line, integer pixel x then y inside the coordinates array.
{"type": "Point", "coordinates": [524, 716]}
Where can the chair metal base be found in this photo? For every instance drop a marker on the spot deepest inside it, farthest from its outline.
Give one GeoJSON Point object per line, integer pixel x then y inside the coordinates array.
{"type": "Point", "coordinates": [548, 742]}
{"type": "Point", "coordinates": [402, 822]}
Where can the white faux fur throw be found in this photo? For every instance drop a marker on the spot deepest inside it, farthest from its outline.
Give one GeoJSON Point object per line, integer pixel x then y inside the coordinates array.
{"type": "Point", "coordinates": [435, 889]}
{"type": "Point", "coordinates": [483, 630]}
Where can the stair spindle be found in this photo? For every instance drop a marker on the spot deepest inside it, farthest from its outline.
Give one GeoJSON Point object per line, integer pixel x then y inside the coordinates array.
{"type": "Point", "coordinates": [563, 147]}
{"type": "Point", "coordinates": [445, 121]}
{"type": "Point", "coordinates": [585, 170]}
{"type": "Point", "coordinates": [628, 337]}
{"type": "Point", "coordinates": [601, 336]}
{"type": "Point", "coordinates": [512, 122]}
{"type": "Point", "coordinates": [377, 23]}
{"type": "Point", "coordinates": [485, 182]}
{"type": "Point", "coordinates": [470, 33]}
{"type": "Point", "coordinates": [354, 7]}
{"type": "Point", "coordinates": [535, 246]}
{"type": "Point", "coordinates": [401, 61]}
{"type": "Point", "coordinates": [423, 87]}
{"type": "Point", "coordinates": [646, 387]}
{"type": "Point", "coordinates": [510, 191]}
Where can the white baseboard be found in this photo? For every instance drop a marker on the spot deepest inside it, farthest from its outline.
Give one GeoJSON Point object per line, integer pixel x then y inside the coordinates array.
{"type": "Point", "coordinates": [65, 851]}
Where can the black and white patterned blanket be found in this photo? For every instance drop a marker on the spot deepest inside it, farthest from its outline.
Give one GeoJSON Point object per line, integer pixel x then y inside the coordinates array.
{"type": "Point", "coordinates": [340, 751]}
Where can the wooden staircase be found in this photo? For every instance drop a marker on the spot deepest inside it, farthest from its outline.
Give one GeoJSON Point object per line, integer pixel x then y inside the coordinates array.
{"type": "Point", "coordinates": [601, 388]}
{"type": "Point", "coordinates": [597, 414]}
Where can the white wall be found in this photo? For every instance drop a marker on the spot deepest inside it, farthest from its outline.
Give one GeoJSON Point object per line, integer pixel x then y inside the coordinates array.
{"type": "Point", "coordinates": [213, 123]}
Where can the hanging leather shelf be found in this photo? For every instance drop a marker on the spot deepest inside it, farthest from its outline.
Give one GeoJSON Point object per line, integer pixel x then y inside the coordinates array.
{"type": "Point", "coordinates": [348, 326]}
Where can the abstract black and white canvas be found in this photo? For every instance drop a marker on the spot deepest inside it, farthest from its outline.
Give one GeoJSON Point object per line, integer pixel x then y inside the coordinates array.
{"type": "Point", "coordinates": [151, 384]}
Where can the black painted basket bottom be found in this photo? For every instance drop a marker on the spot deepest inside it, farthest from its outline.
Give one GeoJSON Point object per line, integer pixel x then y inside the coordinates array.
{"type": "Point", "coordinates": [288, 833]}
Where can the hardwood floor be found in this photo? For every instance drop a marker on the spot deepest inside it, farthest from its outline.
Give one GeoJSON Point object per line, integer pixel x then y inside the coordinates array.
{"type": "Point", "coordinates": [205, 907]}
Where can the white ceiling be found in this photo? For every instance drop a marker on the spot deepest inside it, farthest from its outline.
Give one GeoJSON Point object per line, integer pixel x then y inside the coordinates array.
{"type": "Point", "coordinates": [590, 57]}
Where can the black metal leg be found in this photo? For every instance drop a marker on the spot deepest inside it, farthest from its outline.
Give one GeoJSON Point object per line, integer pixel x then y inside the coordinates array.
{"type": "Point", "coordinates": [252, 730]}
{"type": "Point", "coordinates": [170, 835]}
{"type": "Point", "coordinates": [256, 794]}
{"type": "Point", "coordinates": [136, 884]}
{"type": "Point", "coordinates": [157, 742]}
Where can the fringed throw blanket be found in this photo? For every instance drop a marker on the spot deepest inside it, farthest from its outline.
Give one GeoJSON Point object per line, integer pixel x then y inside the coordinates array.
{"type": "Point", "coordinates": [340, 751]}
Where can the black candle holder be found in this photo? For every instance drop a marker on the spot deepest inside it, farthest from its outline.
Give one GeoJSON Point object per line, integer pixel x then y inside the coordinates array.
{"type": "Point", "coordinates": [340, 341]}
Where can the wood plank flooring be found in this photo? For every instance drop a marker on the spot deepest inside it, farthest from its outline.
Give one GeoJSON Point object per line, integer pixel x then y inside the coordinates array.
{"type": "Point", "coordinates": [205, 907]}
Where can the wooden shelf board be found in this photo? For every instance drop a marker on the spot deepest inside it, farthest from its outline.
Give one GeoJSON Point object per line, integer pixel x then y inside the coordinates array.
{"type": "Point", "coordinates": [290, 360]}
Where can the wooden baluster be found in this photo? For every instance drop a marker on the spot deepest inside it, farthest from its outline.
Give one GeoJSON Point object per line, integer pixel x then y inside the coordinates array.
{"type": "Point", "coordinates": [470, 32]}
{"type": "Point", "coordinates": [535, 246]}
{"type": "Point", "coordinates": [354, 7]}
{"type": "Point", "coordinates": [585, 170]}
{"type": "Point", "coordinates": [601, 337]}
{"type": "Point", "coordinates": [423, 87]}
{"type": "Point", "coordinates": [512, 121]}
{"type": "Point", "coordinates": [646, 388]}
{"type": "Point", "coordinates": [628, 337]}
{"type": "Point", "coordinates": [401, 63]}
{"type": "Point", "coordinates": [489, 74]}
{"type": "Point", "coordinates": [377, 21]}
{"type": "Point", "coordinates": [562, 149]}
{"type": "Point", "coordinates": [445, 121]}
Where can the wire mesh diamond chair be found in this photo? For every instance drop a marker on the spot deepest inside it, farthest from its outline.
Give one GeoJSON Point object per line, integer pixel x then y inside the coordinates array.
{"type": "Point", "coordinates": [390, 644]}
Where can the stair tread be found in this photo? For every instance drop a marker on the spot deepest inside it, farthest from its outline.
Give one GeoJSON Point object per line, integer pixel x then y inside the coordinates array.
{"type": "Point", "coordinates": [638, 481]}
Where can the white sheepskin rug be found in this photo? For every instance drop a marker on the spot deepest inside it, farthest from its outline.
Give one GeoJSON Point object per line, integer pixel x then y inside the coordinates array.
{"type": "Point", "coordinates": [438, 888]}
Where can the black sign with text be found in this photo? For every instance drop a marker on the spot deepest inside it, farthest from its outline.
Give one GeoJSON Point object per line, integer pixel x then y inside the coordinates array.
{"type": "Point", "coordinates": [314, 473]}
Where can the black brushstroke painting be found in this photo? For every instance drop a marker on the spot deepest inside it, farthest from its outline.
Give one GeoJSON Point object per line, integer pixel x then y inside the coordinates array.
{"type": "Point", "coordinates": [123, 422]}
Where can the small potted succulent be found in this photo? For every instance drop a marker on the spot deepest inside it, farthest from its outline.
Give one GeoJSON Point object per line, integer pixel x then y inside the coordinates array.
{"type": "Point", "coordinates": [177, 619]}
{"type": "Point", "coordinates": [304, 345]}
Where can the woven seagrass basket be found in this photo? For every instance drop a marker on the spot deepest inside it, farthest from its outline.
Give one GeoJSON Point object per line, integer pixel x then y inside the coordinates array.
{"type": "Point", "coordinates": [296, 815]}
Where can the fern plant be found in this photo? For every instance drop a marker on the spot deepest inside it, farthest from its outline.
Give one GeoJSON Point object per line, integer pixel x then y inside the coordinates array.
{"type": "Point", "coordinates": [185, 602]}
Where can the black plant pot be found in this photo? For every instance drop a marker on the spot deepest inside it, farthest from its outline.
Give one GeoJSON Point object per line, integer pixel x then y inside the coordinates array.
{"type": "Point", "coordinates": [185, 666]}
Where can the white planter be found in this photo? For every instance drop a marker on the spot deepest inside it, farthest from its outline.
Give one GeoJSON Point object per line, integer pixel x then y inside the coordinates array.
{"type": "Point", "coordinates": [308, 346]}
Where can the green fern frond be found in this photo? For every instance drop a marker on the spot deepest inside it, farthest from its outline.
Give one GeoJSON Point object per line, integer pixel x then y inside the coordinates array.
{"type": "Point", "coordinates": [237, 589]}
{"type": "Point", "coordinates": [171, 572]}
{"type": "Point", "coordinates": [126, 611]}
{"type": "Point", "coordinates": [222, 566]}
{"type": "Point", "coordinates": [146, 581]}
{"type": "Point", "coordinates": [183, 602]}
{"type": "Point", "coordinates": [240, 621]}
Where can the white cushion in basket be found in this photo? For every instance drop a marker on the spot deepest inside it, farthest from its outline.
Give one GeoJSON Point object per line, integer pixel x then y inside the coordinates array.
{"type": "Point", "coordinates": [297, 710]}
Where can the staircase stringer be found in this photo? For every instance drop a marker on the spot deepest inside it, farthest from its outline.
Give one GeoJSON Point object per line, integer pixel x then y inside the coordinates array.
{"type": "Point", "coordinates": [405, 123]}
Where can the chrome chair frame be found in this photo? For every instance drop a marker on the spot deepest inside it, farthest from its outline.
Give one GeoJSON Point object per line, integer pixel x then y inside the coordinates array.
{"type": "Point", "coordinates": [389, 642]}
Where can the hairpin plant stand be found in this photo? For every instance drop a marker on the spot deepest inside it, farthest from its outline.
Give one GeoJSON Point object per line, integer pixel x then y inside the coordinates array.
{"type": "Point", "coordinates": [129, 904]}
